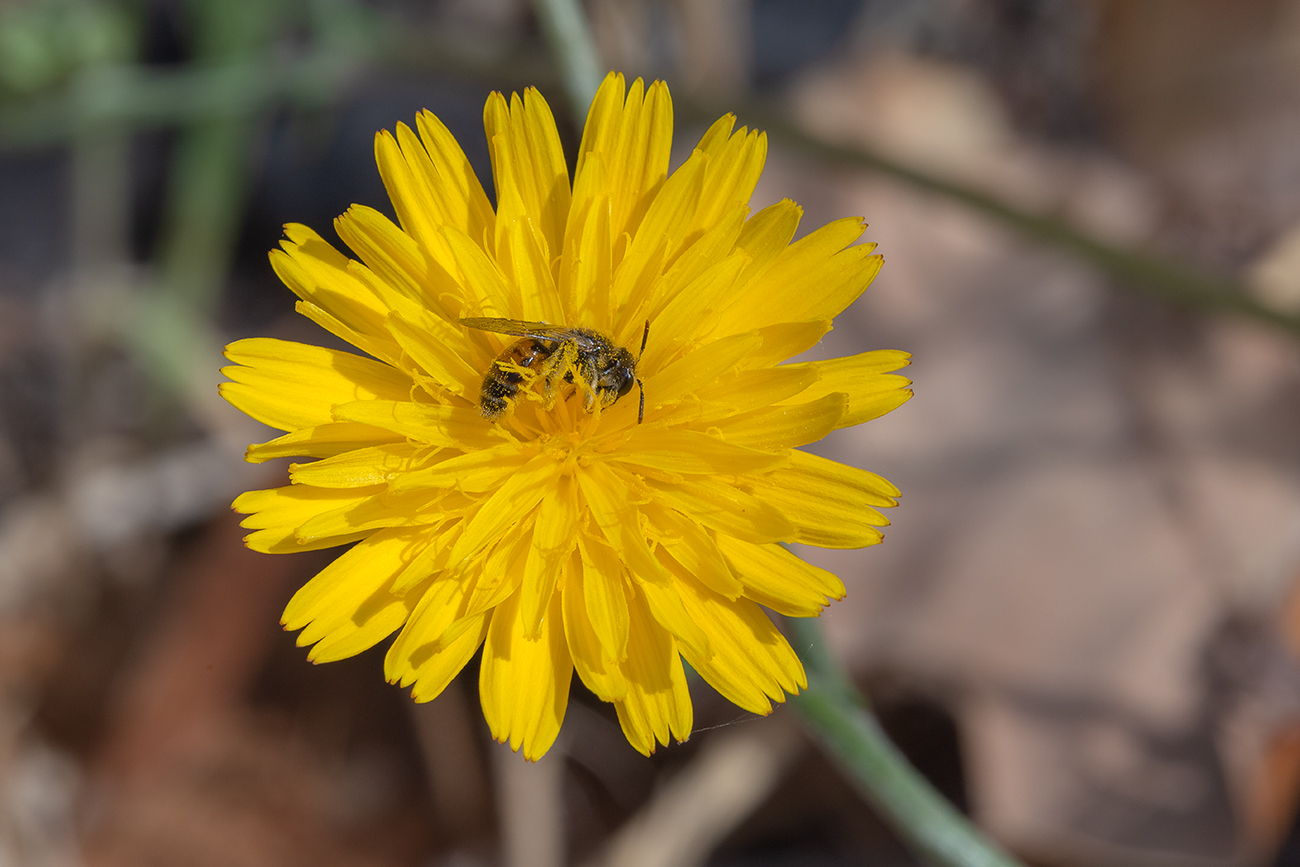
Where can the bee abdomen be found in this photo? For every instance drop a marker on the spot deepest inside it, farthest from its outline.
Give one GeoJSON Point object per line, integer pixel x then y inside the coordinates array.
{"type": "Point", "coordinates": [499, 388]}
{"type": "Point", "coordinates": [503, 379]}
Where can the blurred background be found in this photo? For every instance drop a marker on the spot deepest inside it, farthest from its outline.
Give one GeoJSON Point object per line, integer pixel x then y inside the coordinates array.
{"type": "Point", "coordinates": [1083, 627]}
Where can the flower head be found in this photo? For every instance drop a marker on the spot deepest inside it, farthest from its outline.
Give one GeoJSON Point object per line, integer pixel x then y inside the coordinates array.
{"type": "Point", "coordinates": [562, 531]}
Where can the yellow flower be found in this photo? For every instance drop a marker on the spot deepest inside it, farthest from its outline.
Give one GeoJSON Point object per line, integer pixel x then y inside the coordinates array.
{"type": "Point", "coordinates": [567, 535]}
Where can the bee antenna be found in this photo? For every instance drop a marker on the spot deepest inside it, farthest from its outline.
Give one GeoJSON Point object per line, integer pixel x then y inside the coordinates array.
{"type": "Point", "coordinates": [645, 335]}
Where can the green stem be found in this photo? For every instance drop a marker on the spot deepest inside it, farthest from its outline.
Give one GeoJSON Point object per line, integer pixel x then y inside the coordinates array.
{"type": "Point", "coordinates": [837, 716]}
{"type": "Point", "coordinates": [135, 97]}
{"type": "Point", "coordinates": [209, 177]}
{"type": "Point", "coordinates": [574, 50]}
{"type": "Point", "coordinates": [209, 182]}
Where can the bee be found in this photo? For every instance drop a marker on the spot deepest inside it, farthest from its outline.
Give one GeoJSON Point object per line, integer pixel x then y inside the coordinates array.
{"type": "Point", "coordinates": [553, 352]}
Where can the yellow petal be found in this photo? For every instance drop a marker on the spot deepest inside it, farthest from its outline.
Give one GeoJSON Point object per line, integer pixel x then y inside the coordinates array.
{"type": "Point", "coordinates": [700, 367]}
{"type": "Point", "coordinates": [485, 289]}
{"type": "Point", "coordinates": [717, 134]}
{"type": "Point", "coordinates": [293, 385]}
{"type": "Point", "coordinates": [644, 144]}
{"type": "Point", "coordinates": [276, 514]}
{"type": "Point", "coordinates": [381, 347]}
{"type": "Point", "coordinates": [453, 596]}
{"type": "Point", "coordinates": [477, 471]}
{"type": "Point", "coordinates": [784, 340]}
{"type": "Point", "coordinates": [775, 577]}
{"type": "Point", "coordinates": [435, 611]}
{"type": "Point", "coordinates": [463, 202]}
{"type": "Point", "coordinates": [502, 573]}
{"type": "Point", "coordinates": [734, 166]}
{"type": "Point", "coordinates": [657, 705]}
{"type": "Point", "coordinates": [281, 540]}
{"type": "Point", "coordinates": [632, 133]}
{"type": "Point", "coordinates": [693, 548]}
{"type": "Point", "coordinates": [686, 451]}
{"type": "Point", "coordinates": [588, 266]}
{"type": "Point", "coordinates": [725, 508]}
{"type": "Point", "coordinates": [597, 668]}
{"type": "Point", "coordinates": [507, 504]}
{"type": "Point", "coordinates": [554, 537]}
{"type": "Point", "coordinates": [748, 390]}
{"type": "Point", "coordinates": [442, 352]}
{"type": "Point", "coordinates": [655, 244]}
{"type": "Point", "coordinates": [359, 468]}
{"type": "Point", "coordinates": [783, 427]}
{"type": "Point", "coordinates": [449, 656]}
{"type": "Point", "coordinates": [321, 441]}
{"type": "Point", "coordinates": [528, 163]}
{"type": "Point", "coordinates": [691, 305]}
{"type": "Point", "coordinates": [814, 278]}
{"type": "Point", "coordinates": [433, 560]}
{"type": "Point", "coordinates": [766, 236]}
{"type": "Point", "coordinates": [831, 504]}
{"type": "Point", "coordinates": [382, 509]}
{"type": "Point", "coordinates": [349, 606]}
{"type": "Point", "coordinates": [524, 683]}
{"type": "Point", "coordinates": [590, 192]}
{"type": "Point", "coordinates": [395, 259]}
{"type": "Point", "coordinates": [687, 274]}
{"type": "Point", "coordinates": [665, 604]}
{"type": "Point", "coordinates": [752, 663]}
{"type": "Point", "coordinates": [603, 595]}
{"type": "Point", "coordinates": [589, 286]}
{"type": "Point", "coordinates": [865, 378]}
{"type": "Point", "coordinates": [606, 494]}
{"type": "Point", "coordinates": [525, 260]}
{"type": "Point", "coordinates": [434, 424]}
{"type": "Point", "coordinates": [319, 275]}
{"type": "Point", "coordinates": [414, 189]}
{"type": "Point", "coordinates": [603, 119]}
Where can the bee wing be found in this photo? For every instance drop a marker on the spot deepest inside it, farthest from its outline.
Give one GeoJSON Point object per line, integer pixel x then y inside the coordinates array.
{"type": "Point", "coordinates": [522, 328]}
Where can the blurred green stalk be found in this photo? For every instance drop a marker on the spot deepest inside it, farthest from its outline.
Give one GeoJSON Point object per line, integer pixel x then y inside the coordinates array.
{"type": "Point", "coordinates": [838, 718]}
{"type": "Point", "coordinates": [208, 185]}
{"type": "Point", "coordinates": [574, 51]}
{"type": "Point", "coordinates": [136, 97]}
{"type": "Point", "coordinates": [210, 167]}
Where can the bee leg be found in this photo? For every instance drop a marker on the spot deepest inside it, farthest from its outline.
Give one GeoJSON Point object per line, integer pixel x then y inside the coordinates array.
{"type": "Point", "coordinates": [547, 373]}
{"type": "Point", "coordinates": [591, 398]}
{"type": "Point", "coordinates": [556, 367]}
{"type": "Point", "coordinates": [640, 410]}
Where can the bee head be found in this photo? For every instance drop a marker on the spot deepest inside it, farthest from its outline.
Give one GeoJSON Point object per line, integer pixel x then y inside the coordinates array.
{"type": "Point", "coordinates": [627, 377]}
{"type": "Point", "coordinates": [618, 372]}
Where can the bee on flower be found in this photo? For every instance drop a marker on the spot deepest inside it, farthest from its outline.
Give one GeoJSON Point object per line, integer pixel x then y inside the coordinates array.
{"type": "Point", "coordinates": [607, 371]}
{"type": "Point", "coordinates": [482, 451]}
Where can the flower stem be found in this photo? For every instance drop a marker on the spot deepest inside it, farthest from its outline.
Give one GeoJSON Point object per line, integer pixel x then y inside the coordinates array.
{"type": "Point", "coordinates": [574, 50]}
{"type": "Point", "coordinates": [838, 718]}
